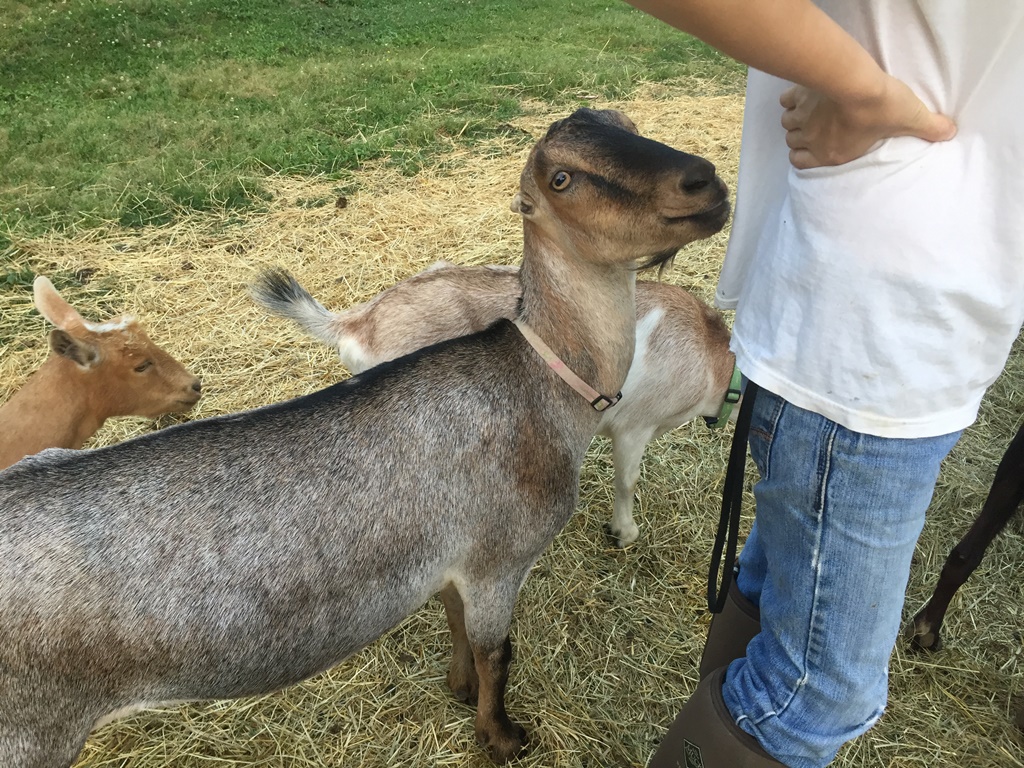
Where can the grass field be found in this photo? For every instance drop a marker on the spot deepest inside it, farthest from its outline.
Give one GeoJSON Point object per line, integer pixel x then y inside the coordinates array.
{"type": "Point", "coordinates": [155, 155]}
{"type": "Point", "coordinates": [136, 111]}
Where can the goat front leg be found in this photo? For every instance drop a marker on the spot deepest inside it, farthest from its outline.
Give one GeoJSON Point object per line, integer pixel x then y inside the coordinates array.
{"type": "Point", "coordinates": [627, 453]}
{"type": "Point", "coordinates": [462, 675]}
{"type": "Point", "coordinates": [487, 614]}
{"type": "Point", "coordinates": [503, 738]}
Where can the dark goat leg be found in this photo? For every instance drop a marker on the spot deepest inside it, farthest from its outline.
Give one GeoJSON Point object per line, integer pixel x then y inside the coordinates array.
{"type": "Point", "coordinates": [1003, 499]}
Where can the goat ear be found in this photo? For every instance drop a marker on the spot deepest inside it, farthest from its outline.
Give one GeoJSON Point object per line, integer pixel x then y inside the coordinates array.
{"type": "Point", "coordinates": [52, 306]}
{"type": "Point", "coordinates": [81, 353]}
{"type": "Point", "coordinates": [521, 205]}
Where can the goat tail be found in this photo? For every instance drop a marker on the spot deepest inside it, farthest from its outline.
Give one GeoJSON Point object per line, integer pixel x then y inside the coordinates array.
{"type": "Point", "coordinates": [282, 295]}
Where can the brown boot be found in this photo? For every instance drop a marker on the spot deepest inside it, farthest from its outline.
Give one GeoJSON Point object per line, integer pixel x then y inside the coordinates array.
{"type": "Point", "coordinates": [705, 736]}
{"type": "Point", "coordinates": [730, 632]}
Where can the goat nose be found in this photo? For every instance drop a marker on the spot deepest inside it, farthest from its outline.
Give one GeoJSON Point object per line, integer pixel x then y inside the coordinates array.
{"type": "Point", "coordinates": [697, 176]}
{"type": "Point", "coordinates": [197, 386]}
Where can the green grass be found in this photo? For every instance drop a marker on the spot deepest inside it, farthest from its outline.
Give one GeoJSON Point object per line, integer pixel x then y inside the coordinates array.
{"type": "Point", "coordinates": [139, 110]}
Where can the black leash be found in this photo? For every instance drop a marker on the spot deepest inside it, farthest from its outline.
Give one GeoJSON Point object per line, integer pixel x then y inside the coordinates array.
{"type": "Point", "coordinates": [732, 499]}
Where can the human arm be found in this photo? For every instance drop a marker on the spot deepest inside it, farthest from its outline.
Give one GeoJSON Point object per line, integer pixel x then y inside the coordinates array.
{"type": "Point", "coordinates": [843, 102]}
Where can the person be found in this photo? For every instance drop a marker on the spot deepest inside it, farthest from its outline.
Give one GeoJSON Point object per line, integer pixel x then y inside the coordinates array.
{"type": "Point", "coordinates": [876, 267]}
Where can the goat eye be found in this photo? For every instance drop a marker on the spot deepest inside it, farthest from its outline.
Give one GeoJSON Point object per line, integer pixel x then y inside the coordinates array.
{"type": "Point", "coordinates": [142, 367]}
{"type": "Point", "coordinates": [560, 181]}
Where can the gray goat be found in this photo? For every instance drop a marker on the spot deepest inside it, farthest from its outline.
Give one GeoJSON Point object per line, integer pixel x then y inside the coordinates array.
{"type": "Point", "coordinates": [236, 555]}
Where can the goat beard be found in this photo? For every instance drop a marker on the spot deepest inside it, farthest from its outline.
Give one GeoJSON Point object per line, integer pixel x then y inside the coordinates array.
{"type": "Point", "coordinates": [663, 261]}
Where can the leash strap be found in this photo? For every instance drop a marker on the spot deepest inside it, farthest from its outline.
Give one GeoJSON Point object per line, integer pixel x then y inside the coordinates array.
{"type": "Point", "coordinates": [597, 401]}
{"type": "Point", "coordinates": [732, 499]}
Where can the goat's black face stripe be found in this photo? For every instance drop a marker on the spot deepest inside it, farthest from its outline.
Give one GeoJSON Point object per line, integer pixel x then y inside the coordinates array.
{"type": "Point", "coordinates": [608, 187]}
{"type": "Point", "coordinates": [645, 155]}
{"type": "Point", "coordinates": [625, 149]}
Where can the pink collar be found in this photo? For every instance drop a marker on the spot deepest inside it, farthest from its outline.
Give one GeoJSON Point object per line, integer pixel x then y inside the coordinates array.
{"type": "Point", "coordinates": [597, 401]}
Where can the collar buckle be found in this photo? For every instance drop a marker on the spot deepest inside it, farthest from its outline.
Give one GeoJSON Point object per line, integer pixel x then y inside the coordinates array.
{"type": "Point", "coordinates": [603, 402]}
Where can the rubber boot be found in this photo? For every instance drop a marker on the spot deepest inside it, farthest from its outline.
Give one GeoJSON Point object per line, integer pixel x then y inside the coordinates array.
{"type": "Point", "coordinates": [705, 736]}
{"type": "Point", "coordinates": [730, 632]}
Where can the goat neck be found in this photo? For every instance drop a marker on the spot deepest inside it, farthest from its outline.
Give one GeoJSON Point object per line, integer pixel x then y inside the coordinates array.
{"type": "Point", "coordinates": [31, 412]}
{"type": "Point", "coordinates": [586, 312]}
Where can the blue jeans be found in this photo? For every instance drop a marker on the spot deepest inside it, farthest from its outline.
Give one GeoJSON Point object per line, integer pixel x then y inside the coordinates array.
{"type": "Point", "coordinates": [827, 562]}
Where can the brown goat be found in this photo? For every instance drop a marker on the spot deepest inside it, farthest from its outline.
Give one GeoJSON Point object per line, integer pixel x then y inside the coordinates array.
{"type": "Point", "coordinates": [681, 367]}
{"type": "Point", "coordinates": [94, 372]}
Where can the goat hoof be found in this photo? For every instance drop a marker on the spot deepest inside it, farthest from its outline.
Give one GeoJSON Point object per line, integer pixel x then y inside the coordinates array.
{"type": "Point", "coordinates": [466, 695]}
{"type": "Point", "coordinates": [621, 539]}
{"type": "Point", "coordinates": [924, 638]}
{"type": "Point", "coordinates": [503, 741]}
{"type": "Point", "coordinates": [464, 690]}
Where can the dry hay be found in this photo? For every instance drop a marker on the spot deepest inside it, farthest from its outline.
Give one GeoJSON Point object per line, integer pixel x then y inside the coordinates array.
{"type": "Point", "coordinates": [607, 641]}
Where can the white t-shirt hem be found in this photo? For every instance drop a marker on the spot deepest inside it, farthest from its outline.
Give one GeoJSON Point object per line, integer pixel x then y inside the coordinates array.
{"type": "Point", "coordinates": [724, 302]}
{"type": "Point", "coordinates": [933, 425]}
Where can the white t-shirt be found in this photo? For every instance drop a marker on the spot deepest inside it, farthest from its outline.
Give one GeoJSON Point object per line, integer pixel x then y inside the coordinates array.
{"type": "Point", "coordinates": [886, 293]}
